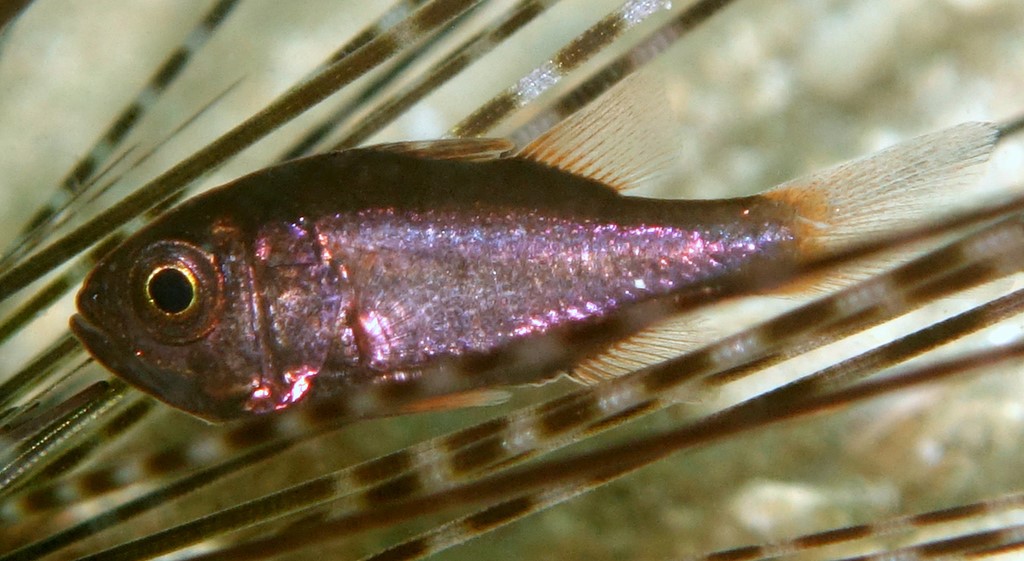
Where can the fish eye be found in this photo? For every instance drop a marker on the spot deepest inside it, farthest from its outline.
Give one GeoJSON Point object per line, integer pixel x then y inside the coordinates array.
{"type": "Point", "coordinates": [172, 290]}
{"type": "Point", "coordinates": [176, 290]}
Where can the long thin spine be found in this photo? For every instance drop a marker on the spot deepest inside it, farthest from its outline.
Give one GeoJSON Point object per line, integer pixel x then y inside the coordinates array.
{"type": "Point", "coordinates": [170, 461]}
{"type": "Point", "coordinates": [974, 545]}
{"type": "Point", "coordinates": [108, 142]}
{"type": "Point", "coordinates": [86, 168]}
{"type": "Point", "coordinates": [464, 529]}
{"type": "Point", "coordinates": [70, 457]}
{"type": "Point", "coordinates": [942, 257]}
{"type": "Point", "coordinates": [71, 276]}
{"type": "Point", "coordinates": [23, 381]}
{"type": "Point", "coordinates": [548, 74]}
{"type": "Point", "coordinates": [900, 524]}
{"type": "Point", "coordinates": [557, 423]}
{"type": "Point", "coordinates": [10, 12]}
{"type": "Point", "coordinates": [18, 463]}
{"type": "Point", "coordinates": [430, 17]}
{"type": "Point", "coordinates": [631, 14]}
{"type": "Point", "coordinates": [421, 23]}
{"type": "Point", "coordinates": [54, 289]}
{"type": "Point", "coordinates": [398, 11]}
{"type": "Point", "coordinates": [362, 402]}
{"type": "Point", "coordinates": [395, 68]}
{"type": "Point", "coordinates": [853, 298]}
{"type": "Point", "coordinates": [605, 461]}
{"type": "Point", "coordinates": [613, 72]}
{"type": "Point", "coordinates": [470, 51]}
{"type": "Point", "coordinates": [894, 125]}
{"type": "Point", "coordinates": [770, 332]}
{"type": "Point", "coordinates": [599, 463]}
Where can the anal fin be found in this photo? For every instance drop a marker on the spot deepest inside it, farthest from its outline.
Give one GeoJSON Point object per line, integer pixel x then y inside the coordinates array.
{"type": "Point", "coordinates": [472, 398]}
{"type": "Point", "coordinates": [660, 342]}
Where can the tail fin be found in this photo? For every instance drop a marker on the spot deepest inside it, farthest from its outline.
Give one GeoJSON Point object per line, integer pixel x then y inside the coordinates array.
{"type": "Point", "coordinates": [895, 189]}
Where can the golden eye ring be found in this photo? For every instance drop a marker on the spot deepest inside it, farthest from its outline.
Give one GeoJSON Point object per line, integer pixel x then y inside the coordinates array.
{"type": "Point", "coordinates": [176, 291]}
{"type": "Point", "coordinates": [172, 289]}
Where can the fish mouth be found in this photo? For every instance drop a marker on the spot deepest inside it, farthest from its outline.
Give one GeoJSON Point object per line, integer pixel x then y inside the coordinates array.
{"type": "Point", "coordinates": [167, 386]}
{"type": "Point", "coordinates": [103, 350]}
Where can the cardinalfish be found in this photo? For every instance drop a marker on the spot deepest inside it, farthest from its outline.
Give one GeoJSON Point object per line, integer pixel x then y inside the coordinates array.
{"type": "Point", "coordinates": [423, 275]}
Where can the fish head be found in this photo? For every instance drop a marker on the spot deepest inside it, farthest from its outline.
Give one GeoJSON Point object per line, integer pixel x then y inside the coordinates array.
{"type": "Point", "coordinates": [166, 311]}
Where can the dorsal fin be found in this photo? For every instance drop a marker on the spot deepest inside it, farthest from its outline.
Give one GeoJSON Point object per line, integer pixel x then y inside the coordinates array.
{"type": "Point", "coordinates": [622, 138]}
{"type": "Point", "coordinates": [470, 149]}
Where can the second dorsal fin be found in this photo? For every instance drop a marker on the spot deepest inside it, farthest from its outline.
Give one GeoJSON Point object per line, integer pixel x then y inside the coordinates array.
{"type": "Point", "coordinates": [622, 138]}
{"type": "Point", "coordinates": [471, 149]}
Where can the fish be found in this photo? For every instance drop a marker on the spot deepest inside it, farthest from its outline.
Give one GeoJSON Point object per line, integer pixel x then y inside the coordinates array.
{"type": "Point", "coordinates": [700, 501]}
{"type": "Point", "coordinates": [378, 278]}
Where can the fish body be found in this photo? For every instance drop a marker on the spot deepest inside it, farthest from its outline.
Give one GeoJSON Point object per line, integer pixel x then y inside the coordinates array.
{"type": "Point", "coordinates": [421, 275]}
{"type": "Point", "coordinates": [328, 277]}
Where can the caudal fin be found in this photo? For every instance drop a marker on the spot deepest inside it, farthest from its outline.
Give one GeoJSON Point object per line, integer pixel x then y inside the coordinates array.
{"type": "Point", "coordinates": [895, 189]}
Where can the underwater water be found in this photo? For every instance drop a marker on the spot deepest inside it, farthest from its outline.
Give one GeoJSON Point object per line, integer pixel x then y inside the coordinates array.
{"type": "Point", "coordinates": [760, 93]}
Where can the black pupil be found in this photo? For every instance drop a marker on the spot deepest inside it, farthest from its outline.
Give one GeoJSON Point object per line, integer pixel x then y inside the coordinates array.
{"type": "Point", "coordinates": [171, 291]}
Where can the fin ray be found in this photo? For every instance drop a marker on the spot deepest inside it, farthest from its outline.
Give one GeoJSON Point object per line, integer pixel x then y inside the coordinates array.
{"type": "Point", "coordinates": [461, 400]}
{"type": "Point", "coordinates": [468, 149]}
{"type": "Point", "coordinates": [619, 140]}
{"type": "Point", "coordinates": [891, 190]}
{"type": "Point", "coordinates": [658, 343]}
